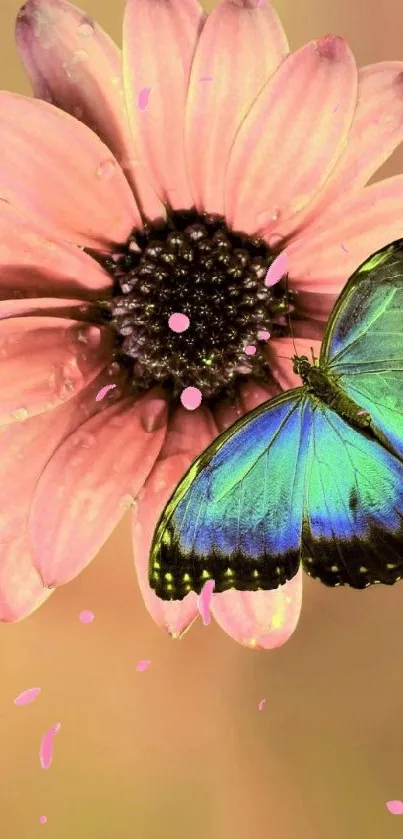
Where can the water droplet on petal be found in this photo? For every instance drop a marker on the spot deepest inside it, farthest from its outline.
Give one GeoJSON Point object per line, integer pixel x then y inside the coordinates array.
{"type": "Point", "coordinates": [86, 27]}
{"type": "Point", "coordinates": [20, 414]}
{"type": "Point", "coordinates": [106, 169]}
{"type": "Point", "coordinates": [113, 369]}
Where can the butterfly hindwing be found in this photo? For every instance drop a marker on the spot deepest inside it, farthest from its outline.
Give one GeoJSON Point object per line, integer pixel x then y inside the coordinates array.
{"type": "Point", "coordinates": [236, 516]}
{"type": "Point", "coordinates": [353, 512]}
{"type": "Point", "coordinates": [363, 345]}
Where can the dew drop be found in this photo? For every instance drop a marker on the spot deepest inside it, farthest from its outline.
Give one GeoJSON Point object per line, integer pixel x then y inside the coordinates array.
{"type": "Point", "coordinates": [178, 322]}
{"type": "Point", "coordinates": [106, 170]}
{"type": "Point", "coordinates": [191, 398]}
{"type": "Point", "coordinates": [20, 414]}
{"type": "Point", "coordinates": [86, 28]}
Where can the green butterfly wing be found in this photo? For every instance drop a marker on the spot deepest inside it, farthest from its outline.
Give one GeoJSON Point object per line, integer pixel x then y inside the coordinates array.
{"type": "Point", "coordinates": [363, 345]}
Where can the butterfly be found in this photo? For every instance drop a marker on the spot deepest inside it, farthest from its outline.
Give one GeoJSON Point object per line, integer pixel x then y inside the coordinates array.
{"type": "Point", "coordinates": [313, 476]}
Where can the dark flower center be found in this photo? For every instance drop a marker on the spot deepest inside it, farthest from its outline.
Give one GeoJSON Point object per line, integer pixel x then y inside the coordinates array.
{"type": "Point", "coordinates": [192, 265]}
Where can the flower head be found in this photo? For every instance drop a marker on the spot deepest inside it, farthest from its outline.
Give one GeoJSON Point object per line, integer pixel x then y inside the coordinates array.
{"type": "Point", "coordinates": [150, 202]}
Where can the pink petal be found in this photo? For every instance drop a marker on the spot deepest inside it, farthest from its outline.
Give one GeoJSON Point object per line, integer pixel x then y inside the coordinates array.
{"type": "Point", "coordinates": [41, 267]}
{"type": "Point", "coordinates": [90, 481]}
{"type": "Point", "coordinates": [48, 361]}
{"type": "Point", "coordinates": [395, 807]}
{"type": "Point", "coordinates": [46, 747]}
{"type": "Point", "coordinates": [21, 589]}
{"type": "Point", "coordinates": [143, 665]}
{"type": "Point", "coordinates": [260, 619]}
{"type": "Point", "coordinates": [239, 48]}
{"type": "Point", "coordinates": [75, 65]}
{"type": "Point", "coordinates": [277, 164]}
{"type": "Point", "coordinates": [188, 434]}
{"type": "Point", "coordinates": [54, 168]}
{"type": "Point", "coordinates": [277, 270]}
{"type": "Point", "coordinates": [364, 223]}
{"type": "Point", "coordinates": [280, 352]}
{"type": "Point", "coordinates": [162, 64]}
{"type": "Point", "coordinates": [204, 601]}
{"type": "Point", "coordinates": [261, 704]}
{"type": "Point", "coordinates": [27, 696]}
{"type": "Point", "coordinates": [376, 130]}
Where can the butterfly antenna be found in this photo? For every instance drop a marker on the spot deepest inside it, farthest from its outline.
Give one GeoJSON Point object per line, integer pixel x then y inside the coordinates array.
{"type": "Point", "coordinates": [289, 319]}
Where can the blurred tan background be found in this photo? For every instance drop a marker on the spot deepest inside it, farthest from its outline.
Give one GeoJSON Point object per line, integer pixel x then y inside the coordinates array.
{"type": "Point", "coordinates": [181, 750]}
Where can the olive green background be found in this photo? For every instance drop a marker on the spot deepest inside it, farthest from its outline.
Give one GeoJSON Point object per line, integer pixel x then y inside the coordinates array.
{"type": "Point", "coordinates": [181, 751]}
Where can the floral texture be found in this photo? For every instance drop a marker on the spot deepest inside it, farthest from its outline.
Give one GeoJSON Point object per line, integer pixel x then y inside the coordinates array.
{"type": "Point", "coordinates": [165, 179]}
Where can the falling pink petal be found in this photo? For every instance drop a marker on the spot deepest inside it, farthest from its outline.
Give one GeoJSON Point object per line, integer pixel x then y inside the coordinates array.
{"type": "Point", "coordinates": [86, 616]}
{"type": "Point", "coordinates": [361, 413]}
{"type": "Point", "coordinates": [204, 600]}
{"type": "Point", "coordinates": [143, 98]}
{"type": "Point", "coordinates": [250, 349]}
{"type": "Point", "coordinates": [395, 807]}
{"type": "Point", "coordinates": [178, 322]}
{"type": "Point", "coordinates": [42, 819]}
{"type": "Point", "coordinates": [143, 664]}
{"type": "Point", "coordinates": [27, 696]}
{"type": "Point", "coordinates": [277, 270]}
{"type": "Point", "coordinates": [263, 335]}
{"type": "Point", "coordinates": [191, 398]}
{"type": "Point", "coordinates": [104, 390]}
{"type": "Point", "coordinates": [261, 704]}
{"type": "Point", "coordinates": [46, 747]}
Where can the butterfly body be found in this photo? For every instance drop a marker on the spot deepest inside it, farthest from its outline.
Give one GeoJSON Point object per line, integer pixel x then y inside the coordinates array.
{"type": "Point", "coordinates": [312, 477]}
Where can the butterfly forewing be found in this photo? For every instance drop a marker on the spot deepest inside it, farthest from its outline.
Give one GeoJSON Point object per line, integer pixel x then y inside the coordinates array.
{"type": "Point", "coordinates": [363, 346]}
{"type": "Point", "coordinates": [236, 517]}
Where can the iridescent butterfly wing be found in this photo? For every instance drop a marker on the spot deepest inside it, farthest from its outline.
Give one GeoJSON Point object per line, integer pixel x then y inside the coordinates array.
{"type": "Point", "coordinates": [293, 480]}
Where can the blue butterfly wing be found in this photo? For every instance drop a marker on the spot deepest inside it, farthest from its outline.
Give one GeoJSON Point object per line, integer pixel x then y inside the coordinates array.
{"type": "Point", "coordinates": [236, 516]}
{"type": "Point", "coordinates": [352, 530]}
{"type": "Point", "coordinates": [363, 346]}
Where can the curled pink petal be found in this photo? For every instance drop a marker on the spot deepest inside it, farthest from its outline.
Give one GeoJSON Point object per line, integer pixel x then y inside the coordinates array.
{"type": "Point", "coordinates": [102, 393]}
{"type": "Point", "coordinates": [143, 665]}
{"type": "Point", "coordinates": [46, 747]}
{"type": "Point", "coordinates": [277, 270]}
{"type": "Point", "coordinates": [204, 600]}
{"type": "Point", "coordinates": [261, 704]}
{"type": "Point", "coordinates": [27, 696]}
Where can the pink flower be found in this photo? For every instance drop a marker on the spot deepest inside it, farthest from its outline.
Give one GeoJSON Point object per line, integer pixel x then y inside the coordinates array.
{"type": "Point", "coordinates": [167, 180]}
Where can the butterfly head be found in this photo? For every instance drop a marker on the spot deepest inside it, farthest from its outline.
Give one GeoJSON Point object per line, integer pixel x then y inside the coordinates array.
{"type": "Point", "coordinates": [301, 366]}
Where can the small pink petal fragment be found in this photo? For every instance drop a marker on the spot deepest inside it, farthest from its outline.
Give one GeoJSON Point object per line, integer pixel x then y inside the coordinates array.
{"type": "Point", "coordinates": [204, 600]}
{"type": "Point", "coordinates": [191, 398]}
{"type": "Point", "coordinates": [102, 393]}
{"type": "Point", "coordinates": [395, 807]}
{"type": "Point", "coordinates": [27, 696]}
{"type": "Point", "coordinates": [46, 747]}
{"type": "Point", "coordinates": [250, 349]}
{"type": "Point", "coordinates": [143, 98]}
{"type": "Point", "coordinates": [86, 616]}
{"type": "Point", "coordinates": [42, 819]}
{"type": "Point", "coordinates": [277, 270]}
{"type": "Point", "coordinates": [143, 665]}
{"type": "Point", "coordinates": [263, 335]}
{"type": "Point", "coordinates": [362, 413]}
{"type": "Point", "coordinates": [261, 704]}
{"type": "Point", "coordinates": [178, 322]}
